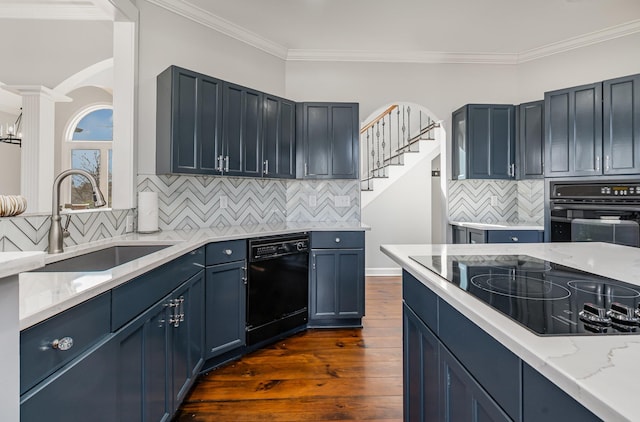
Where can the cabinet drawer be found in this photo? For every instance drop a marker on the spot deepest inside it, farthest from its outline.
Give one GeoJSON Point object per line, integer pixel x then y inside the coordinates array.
{"type": "Point", "coordinates": [223, 252]}
{"type": "Point", "coordinates": [134, 297]}
{"type": "Point", "coordinates": [84, 324]}
{"type": "Point", "coordinates": [421, 300]}
{"type": "Point", "coordinates": [514, 236]}
{"type": "Point", "coordinates": [337, 240]}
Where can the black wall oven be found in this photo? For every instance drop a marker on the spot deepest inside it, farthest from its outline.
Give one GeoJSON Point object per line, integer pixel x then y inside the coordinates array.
{"type": "Point", "coordinates": [594, 211]}
{"type": "Point", "coordinates": [277, 286]}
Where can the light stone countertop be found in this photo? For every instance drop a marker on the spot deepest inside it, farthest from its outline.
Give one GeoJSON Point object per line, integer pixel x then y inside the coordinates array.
{"type": "Point", "coordinates": [12, 263]}
{"type": "Point", "coordinates": [498, 226]}
{"type": "Point", "coordinates": [45, 294]}
{"type": "Point", "coordinates": [600, 372]}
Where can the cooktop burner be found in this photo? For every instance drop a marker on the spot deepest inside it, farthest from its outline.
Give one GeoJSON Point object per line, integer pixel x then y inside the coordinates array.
{"type": "Point", "coordinates": [545, 297]}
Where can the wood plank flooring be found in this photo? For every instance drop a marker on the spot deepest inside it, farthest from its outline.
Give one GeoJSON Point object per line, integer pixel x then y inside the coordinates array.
{"type": "Point", "coordinates": [319, 375]}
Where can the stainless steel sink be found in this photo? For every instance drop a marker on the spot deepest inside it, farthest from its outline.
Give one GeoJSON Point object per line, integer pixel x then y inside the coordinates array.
{"type": "Point", "coordinates": [102, 259]}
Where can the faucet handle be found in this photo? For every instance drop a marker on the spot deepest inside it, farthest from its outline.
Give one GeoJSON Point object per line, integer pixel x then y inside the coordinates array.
{"type": "Point", "coordinates": [65, 231]}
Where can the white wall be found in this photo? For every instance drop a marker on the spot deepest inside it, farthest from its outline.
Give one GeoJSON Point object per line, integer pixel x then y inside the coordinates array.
{"type": "Point", "coordinates": [399, 215]}
{"type": "Point", "coordinates": [167, 39]}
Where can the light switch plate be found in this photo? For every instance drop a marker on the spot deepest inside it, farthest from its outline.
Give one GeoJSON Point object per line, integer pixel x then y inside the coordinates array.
{"type": "Point", "coordinates": [494, 200]}
{"type": "Point", "coordinates": [313, 200]}
{"type": "Point", "coordinates": [224, 202]}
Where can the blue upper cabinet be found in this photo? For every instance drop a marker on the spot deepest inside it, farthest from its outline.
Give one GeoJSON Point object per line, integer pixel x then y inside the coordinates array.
{"type": "Point", "coordinates": [241, 152]}
{"type": "Point", "coordinates": [279, 138]}
{"type": "Point", "coordinates": [327, 139]}
{"type": "Point", "coordinates": [188, 122]}
{"type": "Point", "coordinates": [530, 140]}
{"type": "Point", "coordinates": [621, 125]}
{"type": "Point", "coordinates": [483, 142]}
{"type": "Point", "coordinates": [573, 123]}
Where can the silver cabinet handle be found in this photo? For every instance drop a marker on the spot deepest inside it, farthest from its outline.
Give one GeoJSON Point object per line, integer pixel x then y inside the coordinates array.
{"type": "Point", "coordinates": [244, 275]}
{"type": "Point", "coordinates": [606, 163]}
{"type": "Point", "coordinates": [226, 164]}
{"type": "Point", "coordinates": [306, 169]}
{"type": "Point", "coordinates": [63, 344]}
{"type": "Point", "coordinates": [337, 240]}
{"type": "Point", "coordinates": [219, 168]}
{"type": "Point", "coordinates": [514, 239]}
{"type": "Point", "coordinates": [598, 163]}
{"type": "Point", "coordinates": [181, 302]}
{"type": "Point", "coordinates": [228, 252]}
{"type": "Point", "coordinates": [266, 166]}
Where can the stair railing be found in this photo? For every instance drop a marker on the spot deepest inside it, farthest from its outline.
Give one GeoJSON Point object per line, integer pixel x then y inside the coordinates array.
{"type": "Point", "coordinates": [386, 139]}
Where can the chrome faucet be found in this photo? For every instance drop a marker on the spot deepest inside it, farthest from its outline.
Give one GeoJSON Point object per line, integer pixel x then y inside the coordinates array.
{"type": "Point", "coordinates": [56, 234]}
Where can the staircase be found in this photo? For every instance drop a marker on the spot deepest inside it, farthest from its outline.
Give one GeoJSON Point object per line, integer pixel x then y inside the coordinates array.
{"type": "Point", "coordinates": [391, 144]}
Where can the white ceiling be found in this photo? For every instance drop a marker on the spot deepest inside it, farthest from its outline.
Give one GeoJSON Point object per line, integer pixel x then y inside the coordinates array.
{"type": "Point", "coordinates": [415, 30]}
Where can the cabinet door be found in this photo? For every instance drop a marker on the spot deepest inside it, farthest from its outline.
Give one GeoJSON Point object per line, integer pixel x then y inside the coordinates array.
{"type": "Point", "coordinates": [476, 236]}
{"type": "Point", "coordinates": [85, 389]}
{"type": "Point", "coordinates": [188, 123]}
{"type": "Point", "coordinates": [186, 337]}
{"type": "Point", "coordinates": [458, 235]}
{"type": "Point", "coordinates": [573, 120]}
{"type": "Point", "coordinates": [421, 370]}
{"type": "Point", "coordinates": [278, 140]}
{"type": "Point", "coordinates": [328, 134]}
{"type": "Point", "coordinates": [463, 399]}
{"type": "Point", "coordinates": [531, 140]}
{"type": "Point", "coordinates": [225, 308]}
{"type": "Point", "coordinates": [141, 369]}
{"type": "Point", "coordinates": [459, 147]}
{"type": "Point", "coordinates": [337, 284]}
{"type": "Point", "coordinates": [621, 121]}
{"type": "Point", "coordinates": [491, 141]}
{"type": "Point", "coordinates": [241, 131]}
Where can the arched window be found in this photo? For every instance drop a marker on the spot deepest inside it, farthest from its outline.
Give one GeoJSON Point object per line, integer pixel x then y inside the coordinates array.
{"type": "Point", "coordinates": [88, 146]}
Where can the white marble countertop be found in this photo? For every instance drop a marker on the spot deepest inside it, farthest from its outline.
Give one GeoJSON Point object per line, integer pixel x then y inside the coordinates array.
{"type": "Point", "coordinates": [12, 263]}
{"type": "Point", "coordinates": [600, 372]}
{"type": "Point", "coordinates": [45, 294]}
{"type": "Point", "coordinates": [498, 226]}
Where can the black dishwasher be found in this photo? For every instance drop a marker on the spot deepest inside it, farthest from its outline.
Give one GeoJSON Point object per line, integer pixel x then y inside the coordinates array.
{"type": "Point", "coordinates": [277, 285]}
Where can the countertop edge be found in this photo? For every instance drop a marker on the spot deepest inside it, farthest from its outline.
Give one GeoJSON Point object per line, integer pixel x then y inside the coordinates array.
{"type": "Point", "coordinates": [181, 243]}
{"type": "Point", "coordinates": [498, 226]}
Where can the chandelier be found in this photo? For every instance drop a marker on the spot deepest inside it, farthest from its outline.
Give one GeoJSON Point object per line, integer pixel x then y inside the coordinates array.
{"type": "Point", "coordinates": [11, 134]}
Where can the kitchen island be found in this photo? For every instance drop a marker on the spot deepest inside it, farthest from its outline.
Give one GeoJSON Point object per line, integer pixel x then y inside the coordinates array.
{"type": "Point", "coordinates": [598, 372]}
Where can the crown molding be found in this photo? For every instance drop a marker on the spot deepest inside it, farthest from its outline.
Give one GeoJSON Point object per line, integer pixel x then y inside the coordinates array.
{"type": "Point", "coordinates": [400, 56]}
{"type": "Point", "coordinates": [61, 10]}
{"type": "Point", "coordinates": [585, 40]}
{"type": "Point", "coordinates": [208, 19]}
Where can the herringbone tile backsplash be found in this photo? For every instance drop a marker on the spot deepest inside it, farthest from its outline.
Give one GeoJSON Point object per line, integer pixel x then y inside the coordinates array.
{"type": "Point", "coordinates": [188, 202]}
{"type": "Point", "coordinates": [517, 202]}
{"type": "Point", "coordinates": [30, 233]}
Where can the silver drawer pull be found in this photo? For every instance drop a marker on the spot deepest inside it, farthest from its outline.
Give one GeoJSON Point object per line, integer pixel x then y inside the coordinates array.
{"type": "Point", "coordinates": [337, 240]}
{"type": "Point", "coordinates": [227, 252]}
{"type": "Point", "coordinates": [65, 343]}
{"type": "Point", "coordinates": [514, 239]}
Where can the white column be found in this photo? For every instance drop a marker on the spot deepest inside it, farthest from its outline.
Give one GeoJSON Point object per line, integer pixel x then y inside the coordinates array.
{"type": "Point", "coordinates": [38, 144]}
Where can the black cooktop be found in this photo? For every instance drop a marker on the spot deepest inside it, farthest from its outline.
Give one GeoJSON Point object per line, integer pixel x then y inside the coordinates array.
{"type": "Point", "coordinates": [545, 297]}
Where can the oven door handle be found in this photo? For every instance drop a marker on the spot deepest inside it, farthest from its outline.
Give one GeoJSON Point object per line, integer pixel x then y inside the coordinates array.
{"type": "Point", "coordinates": [598, 207]}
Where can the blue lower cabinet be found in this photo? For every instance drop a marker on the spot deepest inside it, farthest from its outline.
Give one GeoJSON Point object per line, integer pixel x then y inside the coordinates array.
{"type": "Point", "coordinates": [421, 370]}
{"type": "Point", "coordinates": [186, 337]}
{"type": "Point", "coordinates": [462, 398]}
{"type": "Point", "coordinates": [160, 354]}
{"type": "Point", "coordinates": [141, 370]}
{"type": "Point", "coordinates": [83, 390]}
{"type": "Point", "coordinates": [226, 297]}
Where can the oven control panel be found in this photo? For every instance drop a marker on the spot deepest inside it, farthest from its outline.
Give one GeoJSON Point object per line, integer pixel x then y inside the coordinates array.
{"type": "Point", "coordinates": [586, 190]}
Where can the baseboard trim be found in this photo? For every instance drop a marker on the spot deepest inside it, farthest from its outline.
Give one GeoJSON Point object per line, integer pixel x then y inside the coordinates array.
{"type": "Point", "coordinates": [383, 272]}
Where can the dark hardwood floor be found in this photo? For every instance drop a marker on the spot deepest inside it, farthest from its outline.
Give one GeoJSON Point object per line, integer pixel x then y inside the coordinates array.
{"type": "Point", "coordinates": [318, 375]}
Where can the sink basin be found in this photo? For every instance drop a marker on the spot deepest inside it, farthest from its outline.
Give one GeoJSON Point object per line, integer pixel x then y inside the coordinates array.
{"type": "Point", "coordinates": [102, 259]}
